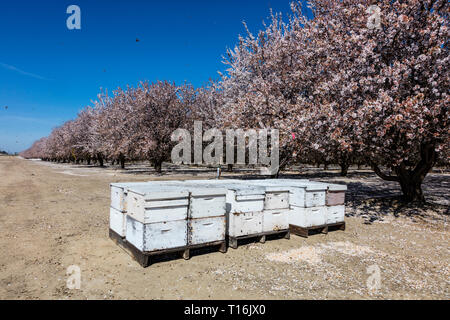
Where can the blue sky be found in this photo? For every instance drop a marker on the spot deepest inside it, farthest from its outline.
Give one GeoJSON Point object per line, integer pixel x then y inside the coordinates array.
{"type": "Point", "coordinates": [48, 73]}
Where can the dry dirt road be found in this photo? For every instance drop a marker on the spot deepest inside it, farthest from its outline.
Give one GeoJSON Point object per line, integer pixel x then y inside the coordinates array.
{"type": "Point", "coordinates": [55, 216]}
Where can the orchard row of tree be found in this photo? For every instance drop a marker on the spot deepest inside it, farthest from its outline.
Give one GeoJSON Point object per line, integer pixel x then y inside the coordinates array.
{"type": "Point", "coordinates": [339, 89]}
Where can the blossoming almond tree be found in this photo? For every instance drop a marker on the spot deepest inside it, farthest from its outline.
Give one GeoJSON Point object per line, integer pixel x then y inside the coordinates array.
{"type": "Point", "coordinates": [161, 108]}
{"type": "Point", "coordinates": [262, 84]}
{"type": "Point", "coordinates": [385, 88]}
{"type": "Point", "coordinates": [118, 127]}
{"type": "Point", "coordinates": [349, 89]}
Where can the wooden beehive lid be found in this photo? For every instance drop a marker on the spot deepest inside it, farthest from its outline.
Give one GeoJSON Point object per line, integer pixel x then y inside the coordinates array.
{"type": "Point", "coordinates": [336, 187]}
{"type": "Point", "coordinates": [259, 185]}
{"type": "Point", "coordinates": [228, 184]}
{"type": "Point", "coordinates": [276, 188]}
{"type": "Point", "coordinates": [319, 186]}
{"type": "Point", "coordinates": [286, 184]}
{"type": "Point", "coordinates": [194, 190]}
{"type": "Point", "coordinates": [316, 186]}
{"type": "Point", "coordinates": [125, 185]}
{"type": "Point", "coordinates": [242, 190]}
{"type": "Point", "coordinates": [207, 191]}
{"type": "Point", "coordinates": [159, 192]}
{"type": "Point", "coordinates": [238, 188]}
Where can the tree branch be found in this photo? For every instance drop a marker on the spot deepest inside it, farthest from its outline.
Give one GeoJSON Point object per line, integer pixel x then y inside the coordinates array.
{"type": "Point", "coordinates": [382, 175]}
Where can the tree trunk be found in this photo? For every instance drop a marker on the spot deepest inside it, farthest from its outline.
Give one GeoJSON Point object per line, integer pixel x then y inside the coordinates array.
{"type": "Point", "coordinates": [88, 161]}
{"type": "Point", "coordinates": [412, 189]}
{"type": "Point", "coordinates": [344, 170]}
{"type": "Point", "coordinates": [344, 167]}
{"type": "Point", "coordinates": [122, 162]}
{"type": "Point", "coordinates": [100, 159]}
{"type": "Point", "coordinates": [158, 166]}
{"type": "Point", "coordinates": [411, 179]}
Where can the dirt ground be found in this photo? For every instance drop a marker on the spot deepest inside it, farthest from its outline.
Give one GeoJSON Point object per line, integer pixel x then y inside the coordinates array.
{"type": "Point", "coordinates": [53, 216]}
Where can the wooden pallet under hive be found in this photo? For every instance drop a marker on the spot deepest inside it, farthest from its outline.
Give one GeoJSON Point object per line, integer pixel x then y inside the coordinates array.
{"type": "Point", "coordinates": [304, 232]}
{"type": "Point", "coordinates": [261, 237]}
{"type": "Point", "coordinates": [144, 258]}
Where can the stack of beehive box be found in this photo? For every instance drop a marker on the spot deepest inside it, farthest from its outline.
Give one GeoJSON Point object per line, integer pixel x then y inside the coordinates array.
{"type": "Point", "coordinates": [252, 211]}
{"type": "Point", "coordinates": [313, 205]}
{"type": "Point", "coordinates": [335, 202]}
{"type": "Point", "coordinates": [164, 216]}
{"type": "Point", "coordinates": [118, 208]}
{"type": "Point", "coordinates": [156, 218]}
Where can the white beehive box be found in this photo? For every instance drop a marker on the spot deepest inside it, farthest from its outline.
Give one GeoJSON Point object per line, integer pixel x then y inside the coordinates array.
{"type": "Point", "coordinates": [202, 208]}
{"type": "Point", "coordinates": [118, 206]}
{"type": "Point", "coordinates": [244, 223]}
{"type": "Point", "coordinates": [276, 195]}
{"type": "Point", "coordinates": [205, 230]}
{"type": "Point", "coordinates": [204, 201]}
{"type": "Point", "coordinates": [119, 193]}
{"type": "Point", "coordinates": [207, 220]}
{"type": "Point", "coordinates": [117, 221]}
{"type": "Point", "coordinates": [244, 205]}
{"type": "Point", "coordinates": [335, 214]}
{"type": "Point", "coordinates": [306, 199]}
{"type": "Point", "coordinates": [308, 217]}
{"type": "Point", "coordinates": [156, 217]}
{"type": "Point", "coordinates": [151, 203]}
{"type": "Point", "coordinates": [276, 198]}
{"type": "Point", "coordinates": [275, 212]}
{"type": "Point", "coordinates": [336, 194]}
{"type": "Point", "coordinates": [244, 210]}
{"type": "Point", "coordinates": [254, 206]}
{"type": "Point", "coordinates": [304, 193]}
{"type": "Point", "coordinates": [207, 202]}
{"type": "Point", "coordinates": [156, 236]}
{"type": "Point", "coordinates": [275, 220]}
